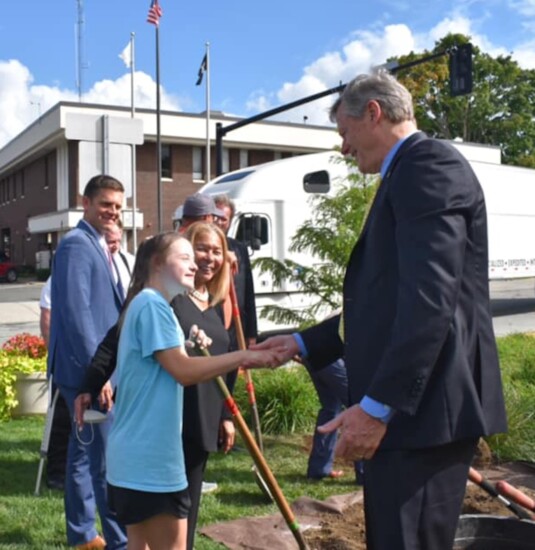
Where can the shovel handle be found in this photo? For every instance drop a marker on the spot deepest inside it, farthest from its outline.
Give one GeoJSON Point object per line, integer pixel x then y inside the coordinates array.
{"type": "Point", "coordinates": [515, 495]}
{"type": "Point", "coordinates": [478, 479]}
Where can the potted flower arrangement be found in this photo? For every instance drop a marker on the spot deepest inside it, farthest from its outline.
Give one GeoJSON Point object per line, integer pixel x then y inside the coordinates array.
{"type": "Point", "coordinates": [23, 383]}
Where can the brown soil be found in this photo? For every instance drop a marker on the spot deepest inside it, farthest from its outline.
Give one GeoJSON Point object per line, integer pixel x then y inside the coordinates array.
{"type": "Point", "coordinates": [346, 531]}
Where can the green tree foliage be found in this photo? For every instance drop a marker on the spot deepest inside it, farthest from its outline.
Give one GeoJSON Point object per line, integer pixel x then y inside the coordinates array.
{"type": "Point", "coordinates": [500, 110]}
{"type": "Point", "coordinates": [329, 236]}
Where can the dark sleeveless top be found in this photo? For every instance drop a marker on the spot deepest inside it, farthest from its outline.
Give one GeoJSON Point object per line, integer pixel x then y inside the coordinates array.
{"type": "Point", "coordinates": [203, 404]}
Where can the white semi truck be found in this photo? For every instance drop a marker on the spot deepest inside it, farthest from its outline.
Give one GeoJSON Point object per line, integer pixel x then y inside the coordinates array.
{"type": "Point", "coordinates": [273, 200]}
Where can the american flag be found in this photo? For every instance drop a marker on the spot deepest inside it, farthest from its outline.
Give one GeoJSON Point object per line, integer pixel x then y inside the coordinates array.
{"type": "Point", "coordinates": [155, 12]}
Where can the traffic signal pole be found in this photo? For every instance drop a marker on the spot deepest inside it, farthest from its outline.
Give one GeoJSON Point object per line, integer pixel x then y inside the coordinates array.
{"type": "Point", "coordinates": [460, 83]}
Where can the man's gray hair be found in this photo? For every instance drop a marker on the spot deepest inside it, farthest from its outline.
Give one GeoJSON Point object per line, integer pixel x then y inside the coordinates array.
{"type": "Point", "coordinates": [395, 100]}
{"type": "Point", "coordinates": [225, 200]}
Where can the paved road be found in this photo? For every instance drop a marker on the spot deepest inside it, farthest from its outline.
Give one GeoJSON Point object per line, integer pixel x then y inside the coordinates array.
{"type": "Point", "coordinates": [513, 307]}
{"type": "Point", "coordinates": [19, 309]}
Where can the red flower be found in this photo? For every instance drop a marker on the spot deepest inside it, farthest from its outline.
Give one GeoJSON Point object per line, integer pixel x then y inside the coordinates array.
{"type": "Point", "coordinates": [26, 344]}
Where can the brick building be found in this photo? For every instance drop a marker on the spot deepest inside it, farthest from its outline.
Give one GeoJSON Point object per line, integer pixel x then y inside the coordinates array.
{"type": "Point", "coordinates": [43, 170]}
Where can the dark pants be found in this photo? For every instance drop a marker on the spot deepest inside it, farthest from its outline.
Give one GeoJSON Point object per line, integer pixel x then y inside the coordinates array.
{"type": "Point", "coordinates": [59, 443]}
{"type": "Point", "coordinates": [412, 499]}
{"type": "Point", "coordinates": [85, 483]}
{"type": "Point", "coordinates": [331, 387]}
{"type": "Point", "coordinates": [195, 460]}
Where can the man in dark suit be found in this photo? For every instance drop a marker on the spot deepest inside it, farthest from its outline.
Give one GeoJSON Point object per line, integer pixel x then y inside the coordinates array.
{"type": "Point", "coordinates": [87, 302]}
{"type": "Point", "coordinates": [243, 274]}
{"type": "Point", "coordinates": [416, 329]}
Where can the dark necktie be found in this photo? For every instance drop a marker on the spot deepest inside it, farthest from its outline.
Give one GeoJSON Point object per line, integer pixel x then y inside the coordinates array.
{"type": "Point", "coordinates": [117, 276]}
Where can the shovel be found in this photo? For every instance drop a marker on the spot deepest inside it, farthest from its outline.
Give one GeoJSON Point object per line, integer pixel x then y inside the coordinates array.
{"type": "Point", "coordinates": [260, 462]}
{"type": "Point", "coordinates": [475, 477]}
{"type": "Point", "coordinates": [249, 385]}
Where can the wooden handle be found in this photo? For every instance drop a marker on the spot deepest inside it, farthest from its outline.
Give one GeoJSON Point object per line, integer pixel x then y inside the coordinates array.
{"type": "Point", "coordinates": [515, 495]}
{"type": "Point", "coordinates": [248, 376]}
{"type": "Point", "coordinates": [260, 461]}
{"type": "Point", "coordinates": [474, 476]}
{"type": "Point", "coordinates": [478, 479]}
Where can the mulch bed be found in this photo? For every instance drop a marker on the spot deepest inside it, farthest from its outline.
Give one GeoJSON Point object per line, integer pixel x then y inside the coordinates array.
{"type": "Point", "coordinates": [338, 522]}
{"type": "Point", "coordinates": [346, 531]}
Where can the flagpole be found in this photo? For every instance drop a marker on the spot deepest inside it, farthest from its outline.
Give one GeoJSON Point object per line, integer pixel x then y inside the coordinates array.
{"type": "Point", "coordinates": [133, 113]}
{"type": "Point", "coordinates": [158, 133]}
{"type": "Point", "coordinates": [208, 151]}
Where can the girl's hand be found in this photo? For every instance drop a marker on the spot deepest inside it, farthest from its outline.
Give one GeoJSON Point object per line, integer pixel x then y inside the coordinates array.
{"type": "Point", "coordinates": [105, 398]}
{"type": "Point", "coordinates": [198, 338]}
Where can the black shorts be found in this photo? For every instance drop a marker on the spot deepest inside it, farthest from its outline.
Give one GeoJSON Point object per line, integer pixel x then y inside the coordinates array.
{"type": "Point", "coordinates": [136, 506]}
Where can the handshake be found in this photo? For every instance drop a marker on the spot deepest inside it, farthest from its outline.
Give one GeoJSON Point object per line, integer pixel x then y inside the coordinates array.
{"type": "Point", "coordinates": [275, 351]}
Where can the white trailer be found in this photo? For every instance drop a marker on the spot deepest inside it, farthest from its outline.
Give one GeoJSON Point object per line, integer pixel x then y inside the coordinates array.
{"type": "Point", "coordinates": [273, 200]}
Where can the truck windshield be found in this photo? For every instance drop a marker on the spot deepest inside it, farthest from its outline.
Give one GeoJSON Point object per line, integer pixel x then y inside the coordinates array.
{"type": "Point", "coordinates": [234, 176]}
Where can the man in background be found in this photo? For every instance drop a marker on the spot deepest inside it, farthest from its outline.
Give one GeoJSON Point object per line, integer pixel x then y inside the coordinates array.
{"type": "Point", "coordinates": [243, 274]}
{"type": "Point", "coordinates": [123, 260]}
{"type": "Point", "coordinates": [198, 208]}
{"type": "Point", "coordinates": [86, 303]}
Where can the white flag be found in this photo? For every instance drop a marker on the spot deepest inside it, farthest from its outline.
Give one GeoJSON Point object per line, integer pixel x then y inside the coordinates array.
{"type": "Point", "coordinates": [126, 55]}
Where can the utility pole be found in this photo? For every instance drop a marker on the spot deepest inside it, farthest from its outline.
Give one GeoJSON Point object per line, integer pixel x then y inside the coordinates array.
{"type": "Point", "coordinates": [79, 46]}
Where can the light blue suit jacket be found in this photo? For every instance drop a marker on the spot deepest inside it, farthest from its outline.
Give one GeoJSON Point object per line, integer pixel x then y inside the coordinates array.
{"type": "Point", "coordinates": [85, 304]}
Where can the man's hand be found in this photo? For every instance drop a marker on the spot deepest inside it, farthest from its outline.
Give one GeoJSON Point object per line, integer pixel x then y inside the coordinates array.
{"type": "Point", "coordinates": [105, 398]}
{"type": "Point", "coordinates": [233, 262]}
{"type": "Point", "coordinates": [227, 435]}
{"type": "Point", "coordinates": [360, 434]}
{"type": "Point", "coordinates": [81, 404]}
{"type": "Point", "coordinates": [286, 343]}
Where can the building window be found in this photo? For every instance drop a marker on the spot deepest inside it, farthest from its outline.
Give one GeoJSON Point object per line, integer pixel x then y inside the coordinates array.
{"type": "Point", "coordinates": [167, 171]}
{"type": "Point", "coordinates": [22, 185]}
{"type": "Point", "coordinates": [14, 180]}
{"type": "Point", "coordinates": [244, 158]}
{"type": "Point", "coordinates": [198, 164]}
{"type": "Point", "coordinates": [46, 184]}
{"type": "Point", "coordinates": [225, 160]}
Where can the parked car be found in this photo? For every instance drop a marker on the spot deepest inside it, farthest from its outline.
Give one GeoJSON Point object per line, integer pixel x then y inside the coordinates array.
{"type": "Point", "coordinates": [8, 271]}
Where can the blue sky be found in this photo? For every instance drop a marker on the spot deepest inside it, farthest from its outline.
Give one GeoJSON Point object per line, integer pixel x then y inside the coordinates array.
{"type": "Point", "coordinates": [263, 53]}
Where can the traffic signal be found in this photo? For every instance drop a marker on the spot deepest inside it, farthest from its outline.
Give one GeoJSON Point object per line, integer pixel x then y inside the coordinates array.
{"type": "Point", "coordinates": [461, 70]}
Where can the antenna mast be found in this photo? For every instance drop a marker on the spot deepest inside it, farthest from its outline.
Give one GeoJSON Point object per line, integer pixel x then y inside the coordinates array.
{"type": "Point", "coordinates": [79, 32]}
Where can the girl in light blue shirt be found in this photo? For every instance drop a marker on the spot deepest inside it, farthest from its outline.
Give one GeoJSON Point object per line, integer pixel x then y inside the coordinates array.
{"type": "Point", "coordinates": [145, 462]}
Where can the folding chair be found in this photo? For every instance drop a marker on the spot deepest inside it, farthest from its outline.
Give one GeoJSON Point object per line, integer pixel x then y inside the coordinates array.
{"type": "Point", "coordinates": [45, 442]}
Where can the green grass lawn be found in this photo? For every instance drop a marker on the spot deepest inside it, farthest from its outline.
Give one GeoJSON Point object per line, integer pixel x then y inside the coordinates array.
{"type": "Point", "coordinates": [37, 523]}
{"type": "Point", "coordinates": [287, 401]}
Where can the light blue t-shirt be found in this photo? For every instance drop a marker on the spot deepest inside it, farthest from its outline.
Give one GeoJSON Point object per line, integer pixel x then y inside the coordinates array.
{"type": "Point", "coordinates": [144, 450]}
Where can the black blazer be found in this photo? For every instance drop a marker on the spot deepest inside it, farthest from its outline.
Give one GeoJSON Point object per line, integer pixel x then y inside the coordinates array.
{"type": "Point", "coordinates": [243, 282]}
{"type": "Point", "coordinates": [418, 326]}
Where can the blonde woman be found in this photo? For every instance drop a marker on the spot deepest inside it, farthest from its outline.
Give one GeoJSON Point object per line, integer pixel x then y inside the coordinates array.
{"type": "Point", "coordinates": [147, 478]}
{"type": "Point", "coordinates": [207, 425]}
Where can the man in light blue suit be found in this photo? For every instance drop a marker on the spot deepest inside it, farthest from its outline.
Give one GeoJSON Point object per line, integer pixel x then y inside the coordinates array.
{"type": "Point", "coordinates": [87, 302]}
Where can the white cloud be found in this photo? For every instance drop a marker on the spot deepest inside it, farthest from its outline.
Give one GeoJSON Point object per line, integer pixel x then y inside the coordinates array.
{"type": "Point", "coordinates": [460, 24]}
{"type": "Point", "coordinates": [367, 48]}
{"type": "Point", "coordinates": [524, 7]}
{"type": "Point", "coordinates": [16, 110]}
{"type": "Point", "coordinates": [259, 101]}
{"type": "Point", "coordinates": [21, 101]}
{"type": "Point", "coordinates": [525, 55]}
